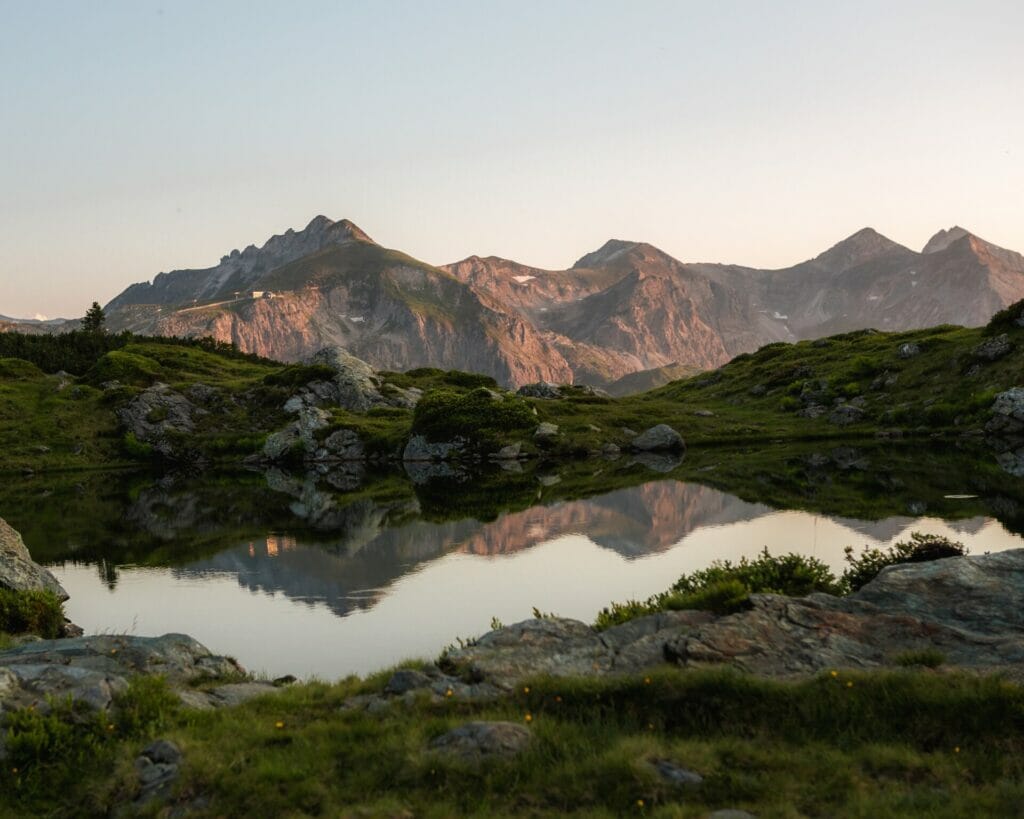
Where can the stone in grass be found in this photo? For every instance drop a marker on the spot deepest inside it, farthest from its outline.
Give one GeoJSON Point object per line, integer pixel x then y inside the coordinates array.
{"type": "Point", "coordinates": [476, 741]}
{"type": "Point", "coordinates": [675, 774]}
{"type": "Point", "coordinates": [660, 438]}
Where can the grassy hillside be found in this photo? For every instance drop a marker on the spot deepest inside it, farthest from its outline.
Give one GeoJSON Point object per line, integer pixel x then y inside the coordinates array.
{"type": "Point", "coordinates": [932, 383]}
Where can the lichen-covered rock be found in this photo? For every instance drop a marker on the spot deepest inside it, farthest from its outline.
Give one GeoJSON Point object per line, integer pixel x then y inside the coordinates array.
{"type": "Point", "coordinates": [342, 445]}
{"type": "Point", "coordinates": [540, 389]}
{"type": "Point", "coordinates": [299, 433]}
{"type": "Point", "coordinates": [357, 385]}
{"type": "Point", "coordinates": [908, 350]}
{"type": "Point", "coordinates": [92, 670]}
{"type": "Point", "coordinates": [993, 349]}
{"type": "Point", "coordinates": [18, 572]}
{"type": "Point", "coordinates": [660, 438]}
{"type": "Point", "coordinates": [158, 414]}
{"type": "Point", "coordinates": [545, 430]}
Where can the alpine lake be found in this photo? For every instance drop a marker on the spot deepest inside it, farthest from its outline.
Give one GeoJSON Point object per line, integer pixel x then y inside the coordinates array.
{"type": "Point", "coordinates": [348, 571]}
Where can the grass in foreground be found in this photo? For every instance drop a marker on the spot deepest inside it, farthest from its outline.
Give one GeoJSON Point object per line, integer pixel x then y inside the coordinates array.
{"type": "Point", "coordinates": [895, 743]}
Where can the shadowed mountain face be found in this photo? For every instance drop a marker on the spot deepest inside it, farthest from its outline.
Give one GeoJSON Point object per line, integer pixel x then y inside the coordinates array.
{"type": "Point", "coordinates": [623, 308]}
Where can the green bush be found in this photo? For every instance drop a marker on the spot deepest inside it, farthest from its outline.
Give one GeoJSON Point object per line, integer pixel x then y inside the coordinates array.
{"type": "Point", "coordinates": [18, 368]}
{"type": "Point", "coordinates": [480, 417]}
{"type": "Point", "coordinates": [920, 548]}
{"type": "Point", "coordinates": [134, 448]}
{"type": "Point", "coordinates": [862, 366]}
{"type": "Point", "coordinates": [725, 587]}
{"type": "Point", "coordinates": [791, 574]}
{"type": "Point", "coordinates": [31, 612]}
{"type": "Point", "coordinates": [789, 404]}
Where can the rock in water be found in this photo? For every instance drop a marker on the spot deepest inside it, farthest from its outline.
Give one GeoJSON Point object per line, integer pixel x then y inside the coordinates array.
{"type": "Point", "coordinates": [18, 572]}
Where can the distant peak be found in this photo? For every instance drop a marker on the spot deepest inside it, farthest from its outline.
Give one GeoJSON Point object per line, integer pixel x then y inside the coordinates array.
{"type": "Point", "coordinates": [608, 252]}
{"type": "Point", "coordinates": [863, 246]}
{"type": "Point", "coordinates": [944, 238]}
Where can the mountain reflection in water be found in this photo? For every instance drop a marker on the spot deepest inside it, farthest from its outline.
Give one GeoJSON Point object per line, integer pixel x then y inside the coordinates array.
{"type": "Point", "coordinates": [374, 582]}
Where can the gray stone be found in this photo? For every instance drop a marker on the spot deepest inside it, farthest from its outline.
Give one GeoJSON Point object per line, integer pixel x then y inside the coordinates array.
{"type": "Point", "coordinates": [407, 679]}
{"type": "Point", "coordinates": [302, 431]}
{"type": "Point", "coordinates": [545, 430]}
{"type": "Point", "coordinates": [162, 751]}
{"type": "Point", "coordinates": [675, 774]}
{"type": "Point", "coordinates": [908, 350]}
{"type": "Point", "coordinates": [730, 813]}
{"type": "Point", "coordinates": [703, 413]}
{"type": "Point", "coordinates": [660, 438]}
{"type": "Point", "coordinates": [812, 411]}
{"type": "Point", "coordinates": [91, 670]}
{"type": "Point", "coordinates": [357, 385]}
{"type": "Point", "coordinates": [344, 445]}
{"type": "Point", "coordinates": [156, 415]}
{"type": "Point", "coordinates": [18, 572]}
{"type": "Point", "coordinates": [476, 741]}
{"type": "Point", "coordinates": [540, 389]}
{"type": "Point", "coordinates": [993, 349]}
{"type": "Point", "coordinates": [507, 453]}
{"type": "Point", "coordinates": [846, 414]}
{"type": "Point", "coordinates": [420, 449]}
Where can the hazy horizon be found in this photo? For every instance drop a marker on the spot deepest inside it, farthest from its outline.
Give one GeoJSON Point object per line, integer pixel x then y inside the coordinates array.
{"type": "Point", "coordinates": [140, 137]}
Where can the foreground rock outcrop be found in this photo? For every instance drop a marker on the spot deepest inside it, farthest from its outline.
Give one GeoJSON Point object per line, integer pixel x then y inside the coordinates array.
{"type": "Point", "coordinates": [969, 608]}
{"type": "Point", "coordinates": [18, 572]}
{"type": "Point", "coordinates": [93, 670]}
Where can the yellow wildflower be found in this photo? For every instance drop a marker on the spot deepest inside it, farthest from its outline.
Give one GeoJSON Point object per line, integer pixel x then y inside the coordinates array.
{"type": "Point", "coordinates": [279, 724]}
{"type": "Point", "coordinates": [529, 717]}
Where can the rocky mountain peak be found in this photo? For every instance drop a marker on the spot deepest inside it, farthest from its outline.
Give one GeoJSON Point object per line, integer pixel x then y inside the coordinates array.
{"type": "Point", "coordinates": [863, 246]}
{"type": "Point", "coordinates": [944, 238]}
{"type": "Point", "coordinates": [609, 252]}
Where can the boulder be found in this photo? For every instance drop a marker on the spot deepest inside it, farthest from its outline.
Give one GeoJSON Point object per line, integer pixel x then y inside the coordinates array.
{"type": "Point", "coordinates": [420, 449]}
{"type": "Point", "coordinates": [993, 349]}
{"type": "Point", "coordinates": [476, 741]}
{"type": "Point", "coordinates": [357, 385]}
{"type": "Point", "coordinates": [545, 430]}
{"type": "Point", "coordinates": [156, 414]}
{"type": "Point", "coordinates": [92, 670]}
{"type": "Point", "coordinates": [342, 445]}
{"type": "Point", "coordinates": [660, 438]}
{"type": "Point", "coordinates": [540, 389]}
{"type": "Point", "coordinates": [309, 420]}
{"type": "Point", "coordinates": [18, 572]}
{"type": "Point", "coordinates": [846, 414]}
{"type": "Point", "coordinates": [507, 453]}
{"type": "Point", "coordinates": [908, 350]}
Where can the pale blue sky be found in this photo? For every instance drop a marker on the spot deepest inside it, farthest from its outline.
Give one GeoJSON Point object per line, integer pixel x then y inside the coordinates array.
{"type": "Point", "coordinates": [142, 136]}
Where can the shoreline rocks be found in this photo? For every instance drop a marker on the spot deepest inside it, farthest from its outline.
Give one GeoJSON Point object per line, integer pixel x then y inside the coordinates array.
{"type": "Point", "coordinates": [969, 608]}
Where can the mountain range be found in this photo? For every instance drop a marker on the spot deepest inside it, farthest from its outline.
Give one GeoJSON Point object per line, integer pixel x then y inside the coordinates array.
{"type": "Point", "coordinates": [623, 309]}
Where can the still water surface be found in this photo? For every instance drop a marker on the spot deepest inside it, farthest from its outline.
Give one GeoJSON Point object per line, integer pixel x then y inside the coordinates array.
{"type": "Point", "coordinates": [377, 590]}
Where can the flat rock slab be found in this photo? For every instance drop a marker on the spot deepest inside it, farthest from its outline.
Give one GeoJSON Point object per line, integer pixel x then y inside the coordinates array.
{"type": "Point", "coordinates": [476, 741]}
{"type": "Point", "coordinates": [92, 670]}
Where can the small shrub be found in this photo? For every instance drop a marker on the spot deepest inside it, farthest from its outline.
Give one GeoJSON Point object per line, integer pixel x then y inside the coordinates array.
{"type": "Point", "coordinates": [721, 597]}
{"type": "Point", "coordinates": [792, 574]}
{"type": "Point", "coordinates": [920, 548]}
{"type": "Point", "coordinates": [924, 658]}
{"type": "Point", "coordinates": [18, 368]}
{"type": "Point", "coordinates": [134, 448]}
{"type": "Point", "coordinates": [146, 705]}
{"type": "Point", "coordinates": [789, 404]}
{"type": "Point", "coordinates": [862, 366]}
{"type": "Point", "coordinates": [442, 415]}
{"type": "Point", "coordinates": [31, 612]}
{"type": "Point", "coordinates": [725, 587]}
{"type": "Point", "coordinates": [851, 389]}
